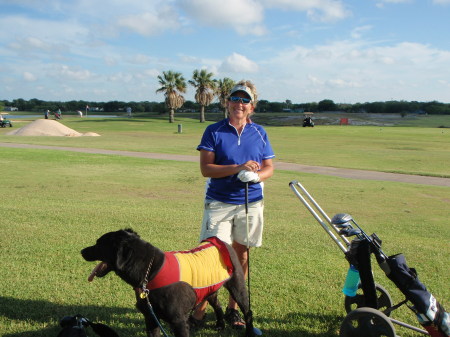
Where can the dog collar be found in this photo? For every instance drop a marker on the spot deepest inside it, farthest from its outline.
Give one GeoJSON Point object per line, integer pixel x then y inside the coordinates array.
{"type": "Point", "coordinates": [144, 291]}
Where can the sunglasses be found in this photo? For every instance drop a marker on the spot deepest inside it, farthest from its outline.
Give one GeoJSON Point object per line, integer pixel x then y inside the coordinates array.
{"type": "Point", "coordinates": [242, 100]}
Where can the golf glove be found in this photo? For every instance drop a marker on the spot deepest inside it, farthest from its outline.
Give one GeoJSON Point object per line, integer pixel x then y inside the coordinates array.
{"type": "Point", "coordinates": [248, 176]}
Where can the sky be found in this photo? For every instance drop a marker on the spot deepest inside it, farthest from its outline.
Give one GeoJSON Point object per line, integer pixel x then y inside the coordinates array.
{"type": "Point", "coordinates": [348, 51]}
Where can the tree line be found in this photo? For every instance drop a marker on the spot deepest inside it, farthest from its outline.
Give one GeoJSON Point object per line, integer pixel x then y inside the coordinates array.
{"type": "Point", "coordinates": [173, 85]}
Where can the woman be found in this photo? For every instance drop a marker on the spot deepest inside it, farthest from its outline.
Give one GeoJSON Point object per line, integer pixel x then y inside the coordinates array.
{"type": "Point", "coordinates": [232, 152]}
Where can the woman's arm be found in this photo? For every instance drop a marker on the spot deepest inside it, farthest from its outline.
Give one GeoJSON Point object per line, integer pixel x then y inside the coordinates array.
{"type": "Point", "coordinates": [211, 170]}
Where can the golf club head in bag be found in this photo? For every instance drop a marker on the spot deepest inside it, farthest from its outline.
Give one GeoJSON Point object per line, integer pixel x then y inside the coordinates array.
{"type": "Point", "coordinates": [430, 313]}
{"type": "Point", "coordinates": [341, 220]}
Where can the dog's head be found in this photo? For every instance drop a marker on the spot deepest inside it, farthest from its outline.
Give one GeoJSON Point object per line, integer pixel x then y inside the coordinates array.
{"type": "Point", "coordinates": [110, 251]}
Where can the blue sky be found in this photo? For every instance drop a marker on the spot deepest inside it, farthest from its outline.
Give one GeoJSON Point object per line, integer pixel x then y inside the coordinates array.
{"type": "Point", "coordinates": [303, 50]}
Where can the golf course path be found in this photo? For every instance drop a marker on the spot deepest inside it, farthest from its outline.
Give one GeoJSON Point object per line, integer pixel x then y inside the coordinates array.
{"type": "Point", "coordinates": [332, 171]}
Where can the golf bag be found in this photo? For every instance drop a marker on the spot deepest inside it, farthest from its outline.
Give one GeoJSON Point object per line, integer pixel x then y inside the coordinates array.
{"type": "Point", "coordinates": [430, 313]}
{"type": "Point", "coordinates": [75, 326]}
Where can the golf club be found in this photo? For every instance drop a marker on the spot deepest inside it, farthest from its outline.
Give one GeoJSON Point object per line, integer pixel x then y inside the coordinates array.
{"type": "Point", "coordinates": [256, 331]}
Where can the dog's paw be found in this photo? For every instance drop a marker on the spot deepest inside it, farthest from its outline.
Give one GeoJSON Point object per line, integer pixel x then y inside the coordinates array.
{"type": "Point", "coordinates": [196, 324]}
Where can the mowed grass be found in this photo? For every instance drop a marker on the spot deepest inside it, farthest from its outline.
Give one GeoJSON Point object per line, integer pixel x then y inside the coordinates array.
{"type": "Point", "coordinates": [54, 203]}
{"type": "Point", "coordinates": [410, 150]}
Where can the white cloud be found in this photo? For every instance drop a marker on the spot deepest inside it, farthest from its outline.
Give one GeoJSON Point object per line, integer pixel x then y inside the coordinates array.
{"type": "Point", "coordinates": [41, 36]}
{"type": "Point", "coordinates": [358, 32]}
{"type": "Point", "coordinates": [244, 16]}
{"type": "Point", "coordinates": [381, 3]}
{"type": "Point", "coordinates": [396, 1]}
{"type": "Point", "coordinates": [29, 77]}
{"type": "Point", "coordinates": [90, 49]}
{"type": "Point", "coordinates": [121, 77]}
{"type": "Point", "coordinates": [237, 63]}
{"type": "Point", "coordinates": [346, 71]}
{"type": "Point", "coordinates": [318, 10]}
{"type": "Point", "coordinates": [110, 60]}
{"type": "Point", "coordinates": [64, 72]}
{"type": "Point", "coordinates": [140, 59]}
{"type": "Point", "coordinates": [151, 23]}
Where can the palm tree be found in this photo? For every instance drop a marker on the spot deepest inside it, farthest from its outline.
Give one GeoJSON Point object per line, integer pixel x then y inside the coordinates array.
{"type": "Point", "coordinates": [172, 85]}
{"type": "Point", "coordinates": [205, 89]}
{"type": "Point", "coordinates": [223, 91]}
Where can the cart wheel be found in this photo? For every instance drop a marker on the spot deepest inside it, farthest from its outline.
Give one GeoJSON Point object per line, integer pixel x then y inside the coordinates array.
{"type": "Point", "coordinates": [367, 322]}
{"type": "Point", "coordinates": [383, 299]}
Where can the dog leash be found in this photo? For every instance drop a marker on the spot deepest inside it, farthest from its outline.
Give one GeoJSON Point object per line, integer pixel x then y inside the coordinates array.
{"type": "Point", "coordinates": [144, 295]}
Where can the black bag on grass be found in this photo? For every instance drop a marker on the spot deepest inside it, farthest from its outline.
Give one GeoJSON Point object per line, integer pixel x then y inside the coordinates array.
{"type": "Point", "coordinates": [430, 313]}
{"type": "Point", "coordinates": [75, 326]}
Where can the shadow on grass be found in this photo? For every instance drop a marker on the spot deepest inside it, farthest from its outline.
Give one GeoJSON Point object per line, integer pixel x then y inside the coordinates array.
{"type": "Point", "coordinates": [297, 325]}
{"type": "Point", "coordinates": [29, 314]}
{"type": "Point", "coordinates": [300, 325]}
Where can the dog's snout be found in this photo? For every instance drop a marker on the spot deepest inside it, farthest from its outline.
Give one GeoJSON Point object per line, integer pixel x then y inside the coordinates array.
{"type": "Point", "coordinates": [86, 253]}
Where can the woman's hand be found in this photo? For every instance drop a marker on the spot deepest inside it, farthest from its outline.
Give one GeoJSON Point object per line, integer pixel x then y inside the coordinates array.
{"type": "Point", "coordinates": [250, 165]}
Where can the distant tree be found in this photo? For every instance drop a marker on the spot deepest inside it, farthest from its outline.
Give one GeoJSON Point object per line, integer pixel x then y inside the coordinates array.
{"type": "Point", "coordinates": [275, 106]}
{"type": "Point", "coordinates": [310, 107]}
{"type": "Point", "coordinates": [205, 89]}
{"type": "Point", "coordinates": [173, 85]}
{"type": "Point", "coordinates": [436, 108]}
{"type": "Point", "coordinates": [375, 107]}
{"type": "Point", "coordinates": [288, 104]}
{"type": "Point", "coordinates": [224, 87]}
{"type": "Point", "coordinates": [190, 105]}
{"type": "Point", "coordinates": [401, 107]}
{"type": "Point", "coordinates": [326, 105]}
{"type": "Point", "coordinates": [263, 105]}
{"type": "Point", "coordinates": [114, 106]}
{"type": "Point", "coordinates": [19, 103]}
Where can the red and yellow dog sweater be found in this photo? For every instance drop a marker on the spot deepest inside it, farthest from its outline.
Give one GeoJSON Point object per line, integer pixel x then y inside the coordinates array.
{"type": "Point", "coordinates": [206, 268]}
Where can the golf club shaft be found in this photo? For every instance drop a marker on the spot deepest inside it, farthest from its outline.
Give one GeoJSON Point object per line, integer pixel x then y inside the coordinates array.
{"type": "Point", "coordinates": [256, 331]}
{"type": "Point", "coordinates": [248, 243]}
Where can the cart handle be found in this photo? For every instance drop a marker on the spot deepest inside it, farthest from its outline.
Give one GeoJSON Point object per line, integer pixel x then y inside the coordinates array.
{"type": "Point", "coordinates": [293, 185]}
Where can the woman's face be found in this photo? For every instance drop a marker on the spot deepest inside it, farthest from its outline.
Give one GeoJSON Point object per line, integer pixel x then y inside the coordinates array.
{"type": "Point", "coordinates": [239, 110]}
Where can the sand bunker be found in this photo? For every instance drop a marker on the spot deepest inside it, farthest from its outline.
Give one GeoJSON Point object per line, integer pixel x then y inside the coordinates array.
{"type": "Point", "coordinates": [48, 127]}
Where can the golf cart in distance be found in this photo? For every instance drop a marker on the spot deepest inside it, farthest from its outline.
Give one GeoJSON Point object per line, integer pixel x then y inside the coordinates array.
{"type": "Point", "coordinates": [4, 122]}
{"type": "Point", "coordinates": [308, 120]}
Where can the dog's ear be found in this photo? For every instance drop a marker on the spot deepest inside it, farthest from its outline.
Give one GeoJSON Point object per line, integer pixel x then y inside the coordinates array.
{"type": "Point", "coordinates": [124, 254]}
{"type": "Point", "coordinates": [131, 231]}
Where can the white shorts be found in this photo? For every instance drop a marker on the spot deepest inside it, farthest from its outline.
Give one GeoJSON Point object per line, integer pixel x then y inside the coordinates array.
{"type": "Point", "coordinates": [228, 222]}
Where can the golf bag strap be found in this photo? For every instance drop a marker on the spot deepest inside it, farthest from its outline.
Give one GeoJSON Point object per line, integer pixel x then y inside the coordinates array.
{"type": "Point", "coordinates": [365, 272]}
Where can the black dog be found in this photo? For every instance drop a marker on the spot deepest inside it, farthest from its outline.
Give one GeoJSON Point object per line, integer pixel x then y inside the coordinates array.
{"type": "Point", "coordinates": [137, 262]}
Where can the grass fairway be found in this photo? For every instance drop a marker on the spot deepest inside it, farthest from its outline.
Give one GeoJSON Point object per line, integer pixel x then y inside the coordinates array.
{"type": "Point", "coordinates": [410, 150]}
{"type": "Point", "coordinates": [54, 203]}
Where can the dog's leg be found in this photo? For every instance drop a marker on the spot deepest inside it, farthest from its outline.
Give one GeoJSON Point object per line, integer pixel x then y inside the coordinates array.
{"type": "Point", "coordinates": [213, 300]}
{"type": "Point", "coordinates": [238, 291]}
{"type": "Point", "coordinates": [173, 303]}
{"type": "Point", "coordinates": [151, 327]}
{"type": "Point", "coordinates": [180, 328]}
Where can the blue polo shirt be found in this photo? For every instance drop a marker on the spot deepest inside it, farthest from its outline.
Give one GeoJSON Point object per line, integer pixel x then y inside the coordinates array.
{"type": "Point", "coordinates": [231, 148]}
